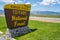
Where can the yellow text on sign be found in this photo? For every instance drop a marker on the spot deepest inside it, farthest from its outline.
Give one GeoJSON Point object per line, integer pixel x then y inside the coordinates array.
{"type": "Point", "coordinates": [15, 19]}
{"type": "Point", "coordinates": [19, 24]}
{"type": "Point", "coordinates": [19, 12]}
{"type": "Point", "coordinates": [25, 7]}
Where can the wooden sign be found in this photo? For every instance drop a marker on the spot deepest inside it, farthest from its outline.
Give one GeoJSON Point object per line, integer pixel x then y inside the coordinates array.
{"type": "Point", "coordinates": [17, 15]}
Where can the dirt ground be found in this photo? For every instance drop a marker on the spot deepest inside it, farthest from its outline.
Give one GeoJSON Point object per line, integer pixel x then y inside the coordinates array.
{"type": "Point", "coordinates": [46, 19]}
{"type": "Point", "coordinates": [43, 19]}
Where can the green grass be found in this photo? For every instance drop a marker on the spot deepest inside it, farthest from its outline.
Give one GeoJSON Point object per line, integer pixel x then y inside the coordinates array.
{"type": "Point", "coordinates": [3, 26]}
{"type": "Point", "coordinates": [44, 30]}
{"type": "Point", "coordinates": [45, 15]}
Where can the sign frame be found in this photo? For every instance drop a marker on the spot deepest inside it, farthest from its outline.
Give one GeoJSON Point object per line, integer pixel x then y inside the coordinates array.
{"type": "Point", "coordinates": [17, 15]}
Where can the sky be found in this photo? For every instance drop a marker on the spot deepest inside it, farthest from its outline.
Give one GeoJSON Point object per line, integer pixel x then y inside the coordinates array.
{"type": "Point", "coordinates": [36, 5]}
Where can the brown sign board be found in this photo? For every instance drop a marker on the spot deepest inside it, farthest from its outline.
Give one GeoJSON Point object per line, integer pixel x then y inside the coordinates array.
{"type": "Point", "coordinates": [17, 15]}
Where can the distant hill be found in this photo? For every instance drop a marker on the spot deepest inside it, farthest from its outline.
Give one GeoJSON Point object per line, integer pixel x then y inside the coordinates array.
{"type": "Point", "coordinates": [45, 12]}
{"type": "Point", "coordinates": [1, 12]}
{"type": "Point", "coordinates": [39, 12]}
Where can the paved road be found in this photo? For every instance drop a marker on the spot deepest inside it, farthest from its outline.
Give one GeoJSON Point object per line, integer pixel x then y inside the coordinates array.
{"type": "Point", "coordinates": [46, 19]}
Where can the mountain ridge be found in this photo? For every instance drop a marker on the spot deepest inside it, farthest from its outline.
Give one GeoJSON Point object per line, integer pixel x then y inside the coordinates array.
{"type": "Point", "coordinates": [1, 12]}
{"type": "Point", "coordinates": [46, 12]}
{"type": "Point", "coordinates": [39, 12]}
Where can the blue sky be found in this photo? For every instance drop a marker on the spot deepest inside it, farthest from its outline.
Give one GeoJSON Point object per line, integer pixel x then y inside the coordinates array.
{"type": "Point", "coordinates": [36, 5]}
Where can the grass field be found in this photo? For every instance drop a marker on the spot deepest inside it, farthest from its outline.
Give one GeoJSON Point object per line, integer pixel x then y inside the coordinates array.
{"type": "Point", "coordinates": [45, 15]}
{"type": "Point", "coordinates": [39, 30]}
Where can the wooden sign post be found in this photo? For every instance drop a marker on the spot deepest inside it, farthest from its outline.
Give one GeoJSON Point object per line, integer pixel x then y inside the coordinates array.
{"type": "Point", "coordinates": [17, 16]}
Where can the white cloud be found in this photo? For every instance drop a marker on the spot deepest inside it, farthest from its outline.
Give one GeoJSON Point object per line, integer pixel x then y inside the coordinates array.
{"type": "Point", "coordinates": [34, 4]}
{"type": "Point", "coordinates": [28, 3]}
{"type": "Point", "coordinates": [11, 1]}
{"type": "Point", "coordinates": [49, 2]}
{"type": "Point", "coordinates": [58, 1]}
{"type": "Point", "coordinates": [7, 1]}
{"type": "Point", "coordinates": [19, 2]}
